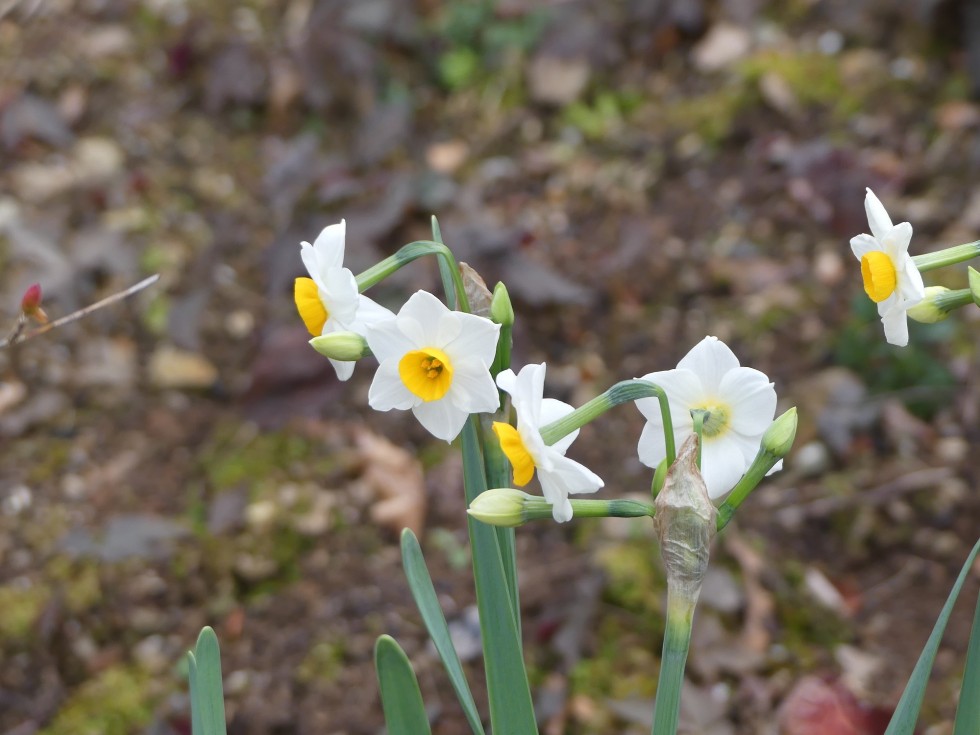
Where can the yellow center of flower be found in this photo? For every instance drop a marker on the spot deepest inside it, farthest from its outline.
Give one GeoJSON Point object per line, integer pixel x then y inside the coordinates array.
{"type": "Point", "coordinates": [717, 422]}
{"type": "Point", "coordinates": [513, 447]}
{"type": "Point", "coordinates": [878, 272]}
{"type": "Point", "coordinates": [427, 373]}
{"type": "Point", "coordinates": [310, 307]}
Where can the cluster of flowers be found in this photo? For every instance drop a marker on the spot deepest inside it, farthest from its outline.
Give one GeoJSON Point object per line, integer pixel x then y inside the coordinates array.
{"type": "Point", "coordinates": [438, 363]}
{"type": "Point", "coordinates": [892, 277]}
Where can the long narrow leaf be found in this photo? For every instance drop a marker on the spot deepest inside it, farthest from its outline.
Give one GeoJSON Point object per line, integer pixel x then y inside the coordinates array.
{"type": "Point", "coordinates": [197, 725]}
{"type": "Point", "coordinates": [207, 695]}
{"type": "Point", "coordinates": [498, 475]}
{"type": "Point", "coordinates": [400, 695]}
{"type": "Point", "coordinates": [511, 709]}
{"type": "Point", "coordinates": [968, 711]}
{"type": "Point", "coordinates": [448, 284]}
{"type": "Point", "coordinates": [907, 711]}
{"type": "Point", "coordinates": [424, 593]}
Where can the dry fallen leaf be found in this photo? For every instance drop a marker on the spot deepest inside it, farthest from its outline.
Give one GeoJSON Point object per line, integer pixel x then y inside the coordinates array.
{"type": "Point", "coordinates": [395, 476]}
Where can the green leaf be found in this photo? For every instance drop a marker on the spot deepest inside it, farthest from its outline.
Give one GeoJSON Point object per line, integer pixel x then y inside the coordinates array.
{"type": "Point", "coordinates": [207, 695]}
{"type": "Point", "coordinates": [448, 284]}
{"type": "Point", "coordinates": [197, 726]}
{"type": "Point", "coordinates": [968, 711]}
{"type": "Point", "coordinates": [400, 695]}
{"type": "Point", "coordinates": [511, 709]}
{"type": "Point", "coordinates": [907, 711]}
{"type": "Point", "coordinates": [424, 593]}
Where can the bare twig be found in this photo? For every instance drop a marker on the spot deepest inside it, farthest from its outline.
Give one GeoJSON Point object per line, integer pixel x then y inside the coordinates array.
{"type": "Point", "coordinates": [17, 335]}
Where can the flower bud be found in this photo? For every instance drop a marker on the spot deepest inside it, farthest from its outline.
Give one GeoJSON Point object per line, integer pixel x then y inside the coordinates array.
{"type": "Point", "coordinates": [974, 276]}
{"type": "Point", "coordinates": [778, 439]}
{"type": "Point", "coordinates": [344, 346]}
{"type": "Point", "coordinates": [502, 506]}
{"type": "Point", "coordinates": [929, 310]}
{"type": "Point", "coordinates": [685, 523]}
{"type": "Point", "coordinates": [501, 309]}
{"type": "Point", "coordinates": [30, 303]}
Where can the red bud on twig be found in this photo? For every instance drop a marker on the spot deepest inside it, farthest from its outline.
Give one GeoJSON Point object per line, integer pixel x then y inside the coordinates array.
{"type": "Point", "coordinates": [30, 304]}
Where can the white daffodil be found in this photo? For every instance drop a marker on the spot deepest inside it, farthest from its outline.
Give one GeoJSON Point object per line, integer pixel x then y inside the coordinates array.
{"type": "Point", "coordinates": [329, 301]}
{"type": "Point", "coordinates": [435, 362]}
{"type": "Point", "coordinates": [526, 450]}
{"type": "Point", "coordinates": [741, 403]}
{"type": "Point", "coordinates": [891, 279]}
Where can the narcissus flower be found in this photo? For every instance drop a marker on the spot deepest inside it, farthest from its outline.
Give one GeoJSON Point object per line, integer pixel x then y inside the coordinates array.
{"type": "Point", "coordinates": [559, 476]}
{"type": "Point", "coordinates": [891, 279]}
{"type": "Point", "coordinates": [329, 301]}
{"type": "Point", "coordinates": [435, 362]}
{"type": "Point", "coordinates": [741, 403]}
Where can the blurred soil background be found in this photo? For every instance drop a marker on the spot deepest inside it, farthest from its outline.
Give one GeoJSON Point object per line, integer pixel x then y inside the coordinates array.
{"type": "Point", "coordinates": [640, 174]}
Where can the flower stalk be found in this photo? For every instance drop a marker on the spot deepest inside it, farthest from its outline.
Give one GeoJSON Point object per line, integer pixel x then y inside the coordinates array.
{"type": "Point", "coordinates": [625, 391]}
{"type": "Point", "coordinates": [508, 507]}
{"type": "Point", "coordinates": [776, 443]}
{"type": "Point", "coordinates": [949, 256]}
{"type": "Point", "coordinates": [405, 255]}
{"type": "Point", "coordinates": [685, 522]}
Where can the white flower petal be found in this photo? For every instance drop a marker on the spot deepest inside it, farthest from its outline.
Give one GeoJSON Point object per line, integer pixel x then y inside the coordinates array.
{"type": "Point", "coordinates": [370, 312]}
{"type": "Point", "coordinates": [910, 283]}
{"type": "Point", "coordinates": [551, 411]}
{"type": "Point", "coordinates": [722, 465]}
{"type": "Point", "coordinates": [896, 241]}
{"type": "Point", "coordinates": [878, 218]}
{"type": "Point", "coordinates": [329, 245]}
{"type": "Point", "coordinates": [387, 389]}
{"type": "Point", "coordinates": [427, 311]}
{"type": "Point", "coordinates": [709, 359]}
{"type": "Point", "coordinates": [683, 389]}
{"type": "Point", "coordinates": [476, 337]}
{"type": "Point", "coordinates": [561, 511]}
{"type": "Point", "coordinates": [775, 468]}
{"type": "Point", "coordinates": [387, 340]}
{"type": "Point", "coordinates": [861, 245]}
{"type": "Point", "coordinates": [506, 381]}
{"type": "Point", "coordinates": [344, 368]}
{"type": "Point", "coordinates": [567, 477]}
{"type": "Point", "coordinates": [572, 477]}
{"type": "Point", "coordinates": [651, 447]}
{"type": "Point", "coordinates": [472, 389]}
{"type": "Point", "coordinates": [312, 264]}
{"type": "Point", "coordinates": [527, 394]}
{"type": "Point", "coordinates": [752, 399]}
{"type": "Point", "coordinates": [339, 294]}
{"type": "Point", "coordinates": [896, 327]}
{"type": "Point", "coordinates": [441, 418]}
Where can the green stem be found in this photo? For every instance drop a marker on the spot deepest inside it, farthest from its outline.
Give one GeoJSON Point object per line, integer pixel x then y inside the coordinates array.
{"type": "Point", "coordinates": [699, 416]}
{"type": "Point", "coordinates": [625, 391]}
{"type": "Point", "coordinates": [949, 256]}
{"type": "Point", "coordinates": [536, 508]}
{"type": "Point", "coordinates": [677, 640]}
{"type": "Point", "coordinates": [763, 462]}
{"type": "Point", "coordinates": [953, 299]}
{"type": "Point", "coordinates": [498, 475]}
{"type": "Point", "coordinates": [405, 255]}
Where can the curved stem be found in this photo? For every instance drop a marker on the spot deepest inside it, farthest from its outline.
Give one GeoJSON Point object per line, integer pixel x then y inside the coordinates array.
{"type": "Point", "coordinates": [625, 391]}
{"type": "Point", "coordinates": [405, 255]}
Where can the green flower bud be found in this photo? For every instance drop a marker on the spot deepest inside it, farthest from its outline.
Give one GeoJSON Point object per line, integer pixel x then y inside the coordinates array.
{"type": "Point", "coordinates": [502, 506]}
{"type": "Point", "coordinates": [501, 310]}
{"type": "Point", "coordinates": [779, 437]}
{"type": "Point", "coordinates": [974, 284]}
{"type": "Point", "coordinates": [929, 310]}
{"type": "Point", "coordinates": [344, 346]}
